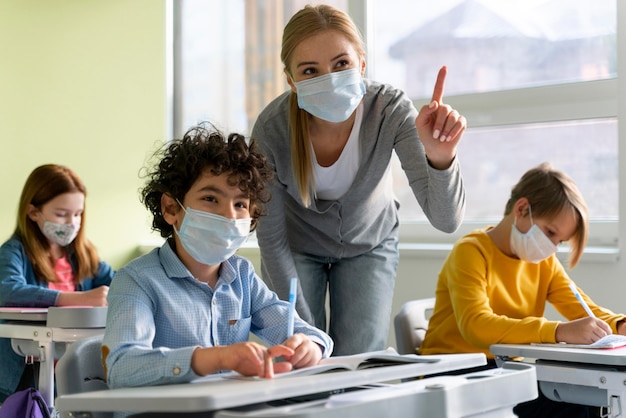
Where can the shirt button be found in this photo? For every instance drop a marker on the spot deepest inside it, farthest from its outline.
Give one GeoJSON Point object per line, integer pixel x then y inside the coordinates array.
{"type": "Point", "coordinates": [176, 371]}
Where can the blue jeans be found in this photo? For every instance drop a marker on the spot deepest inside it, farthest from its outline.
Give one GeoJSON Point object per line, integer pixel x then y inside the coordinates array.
{"type": "Point", "coordinates": [361, 294]}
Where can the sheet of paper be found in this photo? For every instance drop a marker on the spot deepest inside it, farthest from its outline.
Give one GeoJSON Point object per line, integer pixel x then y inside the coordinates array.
{"type": "Point", "coordinates": [608, 341]}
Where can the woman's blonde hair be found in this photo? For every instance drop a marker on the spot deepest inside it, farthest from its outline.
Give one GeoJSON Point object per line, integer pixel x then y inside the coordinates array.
{"type": "Point", "coordinates": [549, 192]}
{"type": "Point", "coordinates": [307, 22]}
{"type": "Point", "coordinates": [44, 184]}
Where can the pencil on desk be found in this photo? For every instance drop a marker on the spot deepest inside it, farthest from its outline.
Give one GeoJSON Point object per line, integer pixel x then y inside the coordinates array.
{"type": "Point", "coordinates": [292, 306]}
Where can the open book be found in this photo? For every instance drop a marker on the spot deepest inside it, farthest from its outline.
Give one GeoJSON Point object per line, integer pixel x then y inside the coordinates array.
{"type": "Point", "coordinates": [382, 358]}
{"type": "Point", "coordinates": [608, 341]}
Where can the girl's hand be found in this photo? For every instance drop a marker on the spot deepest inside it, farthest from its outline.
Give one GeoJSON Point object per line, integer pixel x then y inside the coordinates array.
{"type": "Point", "coordinates": [440, 127]}
{"type": "Point", "coordinates": [305, 352]}
{"type": "Point", "coordinates": [93, 297]}
{"type": "Point", "coordinates": [582, 331]}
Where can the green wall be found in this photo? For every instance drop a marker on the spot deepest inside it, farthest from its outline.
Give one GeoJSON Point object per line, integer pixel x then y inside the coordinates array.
{"type": "Point", "coordinates": [82, 83]}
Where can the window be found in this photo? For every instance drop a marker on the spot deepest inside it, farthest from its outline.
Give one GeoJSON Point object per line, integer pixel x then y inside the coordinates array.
{"type": "Point", "coordinates": [227, 59]}
{"type": "Point", "coordinates": [537, 81]}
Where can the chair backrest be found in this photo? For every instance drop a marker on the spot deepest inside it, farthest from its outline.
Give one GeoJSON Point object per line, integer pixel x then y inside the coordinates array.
{"type": "Point", "coordinates": [80, 370]}
{"type": "Point", "coordinates": [411, 323]}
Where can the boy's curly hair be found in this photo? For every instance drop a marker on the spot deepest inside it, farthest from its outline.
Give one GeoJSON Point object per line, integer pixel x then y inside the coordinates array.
{"type": "Point", "coordinates": [180, 163]}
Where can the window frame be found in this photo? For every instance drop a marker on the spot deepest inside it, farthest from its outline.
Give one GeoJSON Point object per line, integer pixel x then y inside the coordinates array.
{"type": "Point", "coordinates": [554, 103]}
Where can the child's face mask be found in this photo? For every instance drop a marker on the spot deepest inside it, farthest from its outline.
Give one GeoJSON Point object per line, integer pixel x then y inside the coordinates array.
{"type": "Point", "coordinates": [533, 246]}
{"type": "Point", "coordinates": [62, 234]}
{"type": "Point", "coordinates": [211, 239]}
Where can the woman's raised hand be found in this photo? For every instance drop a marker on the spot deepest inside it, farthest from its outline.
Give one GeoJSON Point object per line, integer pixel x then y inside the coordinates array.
{"type": "Point", "coordinates": [440, 127]}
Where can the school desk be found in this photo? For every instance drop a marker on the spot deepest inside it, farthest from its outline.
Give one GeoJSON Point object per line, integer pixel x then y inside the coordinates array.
{"type": "Point", "coordinates": [477, 394]}
{"type": "Point", "coordinates": [35, 331]}
{"type": "Point", "coordinates": [216, 395]}
{"type": "Point", "coordinates": [595, 377]}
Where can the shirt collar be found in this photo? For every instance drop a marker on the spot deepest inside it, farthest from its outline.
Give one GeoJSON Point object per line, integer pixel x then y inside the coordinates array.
{"type": "Point", "coordinates": [174, 268]}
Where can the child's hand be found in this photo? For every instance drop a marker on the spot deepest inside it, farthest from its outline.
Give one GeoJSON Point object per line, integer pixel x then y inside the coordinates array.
{"type": "Point", "coordinates": [582, 331]}
{"type": "Point", "coordinates": [246, 358]}
{"type": "Point", "coordinates": [93, 297]}
{"type": "Point", "coordinates": [305, 352]}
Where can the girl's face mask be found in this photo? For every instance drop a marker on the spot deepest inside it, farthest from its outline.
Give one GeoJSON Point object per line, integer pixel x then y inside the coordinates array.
{"type": "Point", "coordinates": [62, 234]}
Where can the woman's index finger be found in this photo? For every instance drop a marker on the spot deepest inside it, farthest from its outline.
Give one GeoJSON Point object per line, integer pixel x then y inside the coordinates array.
{"type": "Point", "coordinates": [439, 84]}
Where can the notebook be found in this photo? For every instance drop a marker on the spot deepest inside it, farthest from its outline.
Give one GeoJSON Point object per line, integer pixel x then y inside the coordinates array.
{"type": "Point", "coordinates": [382, 358]}
{"type": "Point", "coordinates": [608, 341]}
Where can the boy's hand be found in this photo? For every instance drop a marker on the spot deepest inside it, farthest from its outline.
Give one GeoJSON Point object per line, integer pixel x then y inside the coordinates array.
{"type": "Point", "coordinates": [305, 352]}
{"type": "Point", "coordinates": [246, 358]}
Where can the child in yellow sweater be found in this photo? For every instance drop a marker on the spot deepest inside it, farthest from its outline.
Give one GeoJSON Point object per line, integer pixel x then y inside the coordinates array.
{"type": "Point", "coordinates": [496, 281]}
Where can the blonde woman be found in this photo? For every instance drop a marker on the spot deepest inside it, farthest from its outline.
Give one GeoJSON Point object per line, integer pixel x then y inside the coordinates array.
{"type": "Point", "coordinates": [333, 218]}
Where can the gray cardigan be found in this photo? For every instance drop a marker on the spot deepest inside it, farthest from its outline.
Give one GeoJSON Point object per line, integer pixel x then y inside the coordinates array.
{"type": "Point", "coordinates": [366, 214]}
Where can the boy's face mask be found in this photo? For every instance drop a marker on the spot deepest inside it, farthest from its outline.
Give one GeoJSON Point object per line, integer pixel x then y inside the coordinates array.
{"type": "Point", "coordinates": [211, 239]}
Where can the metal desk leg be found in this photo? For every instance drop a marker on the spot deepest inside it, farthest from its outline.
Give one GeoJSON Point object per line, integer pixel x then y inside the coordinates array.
{"type": "Point", "coordinates": [46, 371]}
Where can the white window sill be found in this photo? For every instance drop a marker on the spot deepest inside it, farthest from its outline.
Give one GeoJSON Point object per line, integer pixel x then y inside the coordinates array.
{"type": "Point", "coordinates": [433, 250]}
{"type": "Point", "coordinates": [441, 250]}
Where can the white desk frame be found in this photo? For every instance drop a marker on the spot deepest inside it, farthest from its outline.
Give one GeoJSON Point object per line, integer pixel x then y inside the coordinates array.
{"type": "Point", "coordinates": [467, 395]}
{"type": "Point", "coordinates": [45, 336]}
{"type": "Point", "coordinates": [601, 371]}
{"type": "Point", "coordinates": [217, 393]}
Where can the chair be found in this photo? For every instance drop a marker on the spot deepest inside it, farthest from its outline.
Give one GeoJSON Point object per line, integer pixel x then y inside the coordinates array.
{"type": "Point", "coordinates": [411, 323]}
{"type": "Point", "coordinates": [80, 370]}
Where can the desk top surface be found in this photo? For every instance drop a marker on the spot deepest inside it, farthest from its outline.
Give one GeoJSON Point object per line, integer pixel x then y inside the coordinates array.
{"type": "Point", "coordinates": [59, 317]}
{"type": "Point", "coordinates": [24, 314]}
{"type": "Point", "coordinates": [216, 392]}
{"type": "Point", "coordinates": [603, 356]}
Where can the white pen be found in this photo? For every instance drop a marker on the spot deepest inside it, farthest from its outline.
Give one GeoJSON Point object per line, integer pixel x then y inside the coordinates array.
{"type": "Point", "coordinates": [581, 300]}
{"type": "Point", "coordinates": [293, 289]}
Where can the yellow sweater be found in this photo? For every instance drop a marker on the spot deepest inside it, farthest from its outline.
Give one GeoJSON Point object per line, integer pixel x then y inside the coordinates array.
{"type": "Point", "coordinates": [485, 297]}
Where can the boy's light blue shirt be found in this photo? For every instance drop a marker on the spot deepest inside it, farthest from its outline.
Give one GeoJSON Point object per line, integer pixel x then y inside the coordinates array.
{"type": "Point", "coordinates": [158, 314]}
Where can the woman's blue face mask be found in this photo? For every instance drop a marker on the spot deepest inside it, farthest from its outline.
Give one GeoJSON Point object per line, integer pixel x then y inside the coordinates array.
{"type": "Point", "coordinates": [332, 97]}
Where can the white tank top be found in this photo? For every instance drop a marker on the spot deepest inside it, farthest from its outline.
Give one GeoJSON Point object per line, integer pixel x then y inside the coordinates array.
{"type": "Point", "coordinates": [333, 181]}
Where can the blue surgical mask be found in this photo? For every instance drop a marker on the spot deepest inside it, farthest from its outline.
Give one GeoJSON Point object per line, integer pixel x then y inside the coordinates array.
{"type": "Point", "coordinates": [210, 238]}
{"type": "Point", "coordinates": [332, 97]}
{"type": "Point", "coordinates": [533, 246]}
